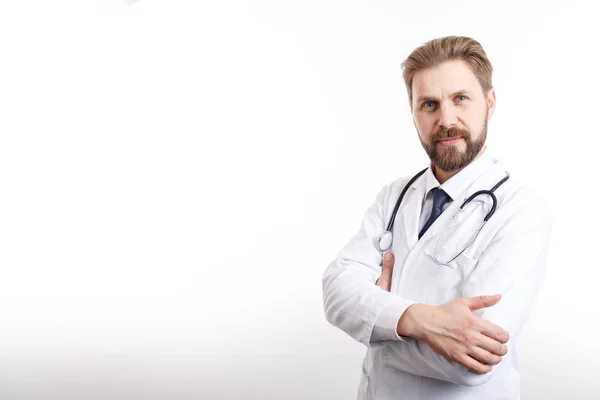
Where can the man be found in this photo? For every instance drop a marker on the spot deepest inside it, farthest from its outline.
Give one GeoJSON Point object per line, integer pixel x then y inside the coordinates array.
{"type": "Point", "coordinates": [440, 311]}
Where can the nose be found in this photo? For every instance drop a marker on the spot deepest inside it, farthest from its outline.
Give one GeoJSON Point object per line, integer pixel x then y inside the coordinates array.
{"type": "Point", "coordinates": [448, 116]}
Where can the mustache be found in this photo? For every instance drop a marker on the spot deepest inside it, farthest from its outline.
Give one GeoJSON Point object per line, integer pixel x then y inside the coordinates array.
{"type": "Point", "coordinates": [443, 133]}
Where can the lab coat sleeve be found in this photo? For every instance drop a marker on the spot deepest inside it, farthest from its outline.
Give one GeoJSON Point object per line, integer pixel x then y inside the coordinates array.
{"type": "Point", "coordinates": [513, 265]}
{"type": "Point", "coordinates": [352, 301]}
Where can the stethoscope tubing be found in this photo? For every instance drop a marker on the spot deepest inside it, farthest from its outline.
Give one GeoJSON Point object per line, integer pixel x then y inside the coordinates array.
{"type": "Point", "coordinates": [385, 241]}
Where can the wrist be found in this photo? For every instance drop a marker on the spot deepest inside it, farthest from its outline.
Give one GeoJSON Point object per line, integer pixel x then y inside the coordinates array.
{"type": "Point", "coordinates": [411, 322]}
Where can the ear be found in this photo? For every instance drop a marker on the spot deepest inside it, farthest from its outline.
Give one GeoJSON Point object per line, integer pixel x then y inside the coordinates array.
{"type": "Point", "coordinates": [491, 101]}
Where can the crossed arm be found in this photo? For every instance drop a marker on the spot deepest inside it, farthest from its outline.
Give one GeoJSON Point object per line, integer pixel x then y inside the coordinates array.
{"type": "Point", "coordinates": [455, 342]}
{"type": "Point", "coordinates": [512, 266]}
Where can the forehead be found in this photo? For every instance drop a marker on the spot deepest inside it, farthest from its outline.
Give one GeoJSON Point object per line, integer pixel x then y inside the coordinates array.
{"type": "Point", "coordinates": [448, 77]}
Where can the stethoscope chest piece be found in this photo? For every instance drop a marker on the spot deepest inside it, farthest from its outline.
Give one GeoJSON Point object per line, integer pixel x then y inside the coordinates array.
{"type": "Point", "coordinates": [385, 241]}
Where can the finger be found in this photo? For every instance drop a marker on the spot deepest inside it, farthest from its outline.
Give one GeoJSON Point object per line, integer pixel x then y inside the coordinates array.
{"type": "Point", "coordinates": [388, 262]}
{"type": "Point", "coordinates": [484, 356]}
{"type": "Point", "coordinates": [494, 331]}
{"type": "Point", "coordinates": [492, 346]}
{"type": "Point", "coordinates": [475, 303]}
{"type": "Point", "coordinates": [387, 267]}
{"type": "Point", "coordinates": [474, 365]}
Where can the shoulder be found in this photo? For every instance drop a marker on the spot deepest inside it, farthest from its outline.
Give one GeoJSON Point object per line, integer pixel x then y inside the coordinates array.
{"type": "Point", "coordinates": [522, 207]}
{"type": "Point", "coordinates": [393, 188]}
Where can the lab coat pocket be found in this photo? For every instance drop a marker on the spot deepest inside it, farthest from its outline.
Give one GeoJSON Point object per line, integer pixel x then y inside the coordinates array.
{"type": "Point", "coordinates": [450, 258]}
{"type": "Point", "coordinates": [367, 363]}
{"type": "Point", "coordinates": [452, 272]}
{"type": "Point", "coordinates": [365, 386]}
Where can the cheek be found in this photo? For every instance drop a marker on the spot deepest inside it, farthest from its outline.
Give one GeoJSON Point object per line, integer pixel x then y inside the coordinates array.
{"type": "Point", "coordinates": [425, 127]}
{"type": "Point", "coordinates": [475, 124]}
{"type": "Point", "coordinates": [476, 118]}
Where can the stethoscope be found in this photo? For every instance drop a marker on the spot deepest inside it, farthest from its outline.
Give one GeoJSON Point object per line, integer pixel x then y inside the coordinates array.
{"type": "Point", "coordinates": [385, 241]}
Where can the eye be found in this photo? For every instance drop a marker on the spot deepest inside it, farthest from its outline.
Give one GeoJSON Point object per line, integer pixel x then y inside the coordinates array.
{"type": "Point", "coordinates": [429, 104]}
{"type": "Point", "coordinates": [461, 97]}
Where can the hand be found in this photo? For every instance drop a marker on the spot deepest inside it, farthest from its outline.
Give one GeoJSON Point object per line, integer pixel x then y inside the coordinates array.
{"type": "Point", "coordinates": [454, 331]}
{"type": "Point", "coordinates": [387, 267]}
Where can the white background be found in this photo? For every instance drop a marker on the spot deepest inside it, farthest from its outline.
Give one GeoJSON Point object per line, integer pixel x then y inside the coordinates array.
{"type": "Point", "coordinates": [175, 176]}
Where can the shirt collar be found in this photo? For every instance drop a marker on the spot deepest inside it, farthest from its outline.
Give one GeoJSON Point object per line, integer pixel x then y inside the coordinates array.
{"type": "Point", "coordinates": [459, 182]}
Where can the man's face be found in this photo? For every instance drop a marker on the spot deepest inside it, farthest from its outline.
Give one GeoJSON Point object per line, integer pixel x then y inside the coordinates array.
{"type": "Point", "coordinates": [448, 102]}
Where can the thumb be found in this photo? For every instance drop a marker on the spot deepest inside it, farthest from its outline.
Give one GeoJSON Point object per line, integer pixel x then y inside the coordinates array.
{"type": "Point", "coordinates": [475, 303]}
{"type": "Point", "coordinates": [387, 267]}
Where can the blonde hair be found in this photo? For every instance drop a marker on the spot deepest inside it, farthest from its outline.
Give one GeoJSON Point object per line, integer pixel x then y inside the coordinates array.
{"type": "Point", "coordinates": [448, 48]}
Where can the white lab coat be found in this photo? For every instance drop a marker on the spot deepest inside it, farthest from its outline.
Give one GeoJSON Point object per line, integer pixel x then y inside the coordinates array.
{"type": "Point", "coordinates": [507, 257]}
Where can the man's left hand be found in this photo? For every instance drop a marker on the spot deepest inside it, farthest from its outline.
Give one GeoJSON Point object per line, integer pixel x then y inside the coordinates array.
{"type": "Point", "coordinates": [385, 280]}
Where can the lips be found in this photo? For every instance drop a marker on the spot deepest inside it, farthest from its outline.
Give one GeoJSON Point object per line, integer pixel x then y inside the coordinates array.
{"type": "Point", "coordinates": [451, 138]}
{"type": "Point", "coordinates": [449, 142]}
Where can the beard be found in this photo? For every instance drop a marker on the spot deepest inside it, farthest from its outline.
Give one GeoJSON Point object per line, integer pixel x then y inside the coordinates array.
{"type": "Point", "coordinates": [449, 158]}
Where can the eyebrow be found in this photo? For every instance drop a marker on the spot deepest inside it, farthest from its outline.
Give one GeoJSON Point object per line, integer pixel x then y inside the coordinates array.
{"type": "Point", "coordinates": [421, 99]}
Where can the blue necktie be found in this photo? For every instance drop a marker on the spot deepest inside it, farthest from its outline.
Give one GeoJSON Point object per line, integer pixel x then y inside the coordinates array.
{"type": "Point", "coordinates": [439, 199]}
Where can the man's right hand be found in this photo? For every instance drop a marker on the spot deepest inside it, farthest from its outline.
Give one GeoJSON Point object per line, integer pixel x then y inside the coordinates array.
{"type": "Point", "coordinates": [452, 329]}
